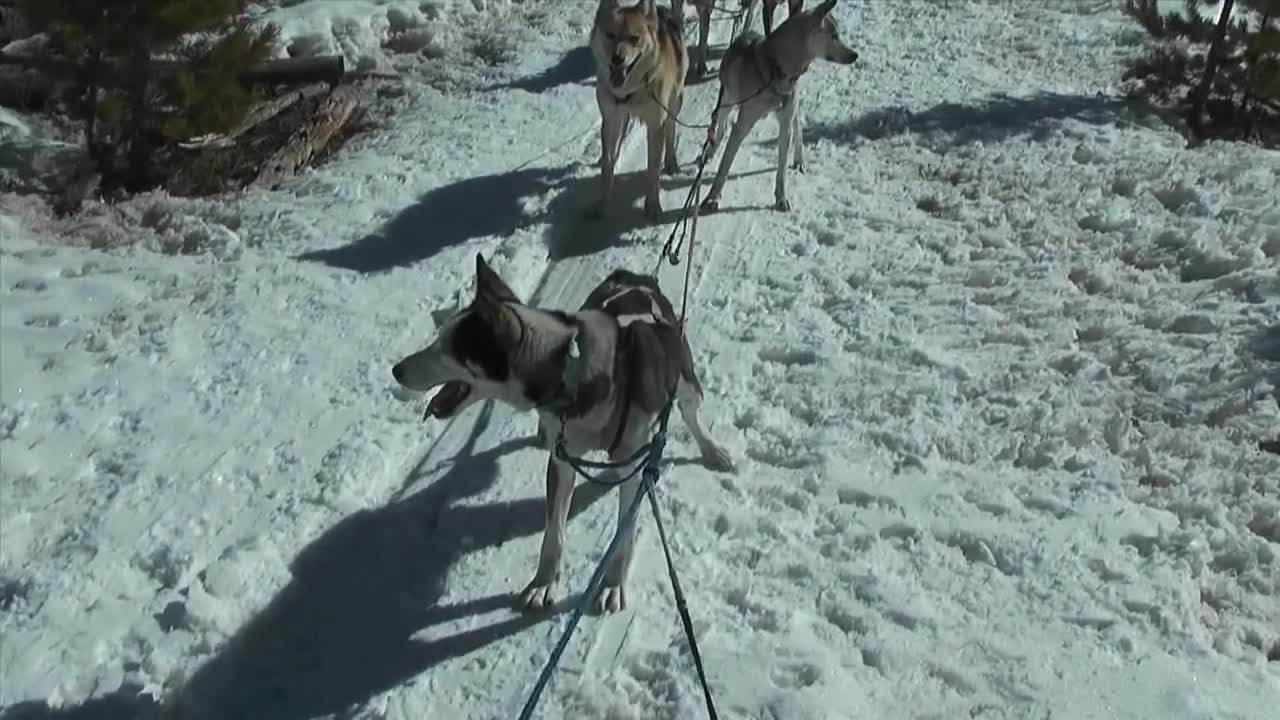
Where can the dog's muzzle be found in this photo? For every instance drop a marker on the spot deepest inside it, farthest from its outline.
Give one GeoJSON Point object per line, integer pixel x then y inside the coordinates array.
{"type": "Point", "coordinates": [620, 69]}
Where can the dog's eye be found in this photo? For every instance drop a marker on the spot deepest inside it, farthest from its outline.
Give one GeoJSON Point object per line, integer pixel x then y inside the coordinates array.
{"type": "Point", "coordinates": [633, 39]}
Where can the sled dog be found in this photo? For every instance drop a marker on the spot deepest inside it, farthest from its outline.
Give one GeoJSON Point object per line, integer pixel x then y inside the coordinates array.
{"type": "Point", "coordinates": [598, 379]}
{"type": "Point", "coordinates": [760, 76]}
{"type": "Point", "coordinates": [641, 61]}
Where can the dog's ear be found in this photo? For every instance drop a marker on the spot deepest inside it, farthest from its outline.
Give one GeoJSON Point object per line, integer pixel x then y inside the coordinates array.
{"type": "Point", "coordinates": [489, 286]}
{"type": "Point", "coordinates": [500, 319]}
{"type": "Point", "coordinates": [492, 296]}
{"type": "Point", "coordinates": [822, 10]}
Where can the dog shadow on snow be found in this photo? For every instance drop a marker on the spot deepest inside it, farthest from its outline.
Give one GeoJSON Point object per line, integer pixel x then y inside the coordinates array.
{"type": "Point", "coordinates": [446, 216]}
{"type": "Point", "coordinates": [497, 205]}
{"type": "Point", "coordinates": [993, 118]}
{"type": "Point", "coordinates": [361, 613]}
{"type": "Point", "coordinates": [574, 66]}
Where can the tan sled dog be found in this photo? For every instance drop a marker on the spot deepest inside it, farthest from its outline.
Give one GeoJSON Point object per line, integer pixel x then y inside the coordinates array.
{"type": "Point", "coordinates": [759, 76]}
{"type": "Point", "coordinates": [641, 62]}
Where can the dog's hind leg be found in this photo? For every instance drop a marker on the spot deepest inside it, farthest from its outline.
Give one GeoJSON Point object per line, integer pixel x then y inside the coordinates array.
{"type": "Point", "coordinates": [689, 400]}
{"type": "Point", "coordinates": [704, 33]}
{"type": "Point", "coordinates": [540, 592]}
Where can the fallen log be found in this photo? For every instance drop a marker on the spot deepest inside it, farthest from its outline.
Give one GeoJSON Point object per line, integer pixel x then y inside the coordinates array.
{"type": "Point", "coordinates": [259, 114]}
{"type": "Point", "coordinates": [310, 138]}
{"type": "Point", "coordinates": [297, 71]}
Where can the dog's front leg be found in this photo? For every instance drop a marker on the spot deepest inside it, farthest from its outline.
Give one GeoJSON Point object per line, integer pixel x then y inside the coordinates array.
{"type": "Point", "coordinates": [741, 127]}
{"type": "Point", "coordinates": [540, 592]}
{"type": "Point", "coordinates": [671, 164]}
{"type": "Point", "coordinates": [717, 133]}
{"type": "Point", "coordinates": [797, 140]}
{"type": "Point", "coordinates": [617, 146]}
{"type": "Point", "coordinates": [612, 122]}
{"type": "Point", "coordinates": [657, 146]}
{"type": "Point", "coordinates": [786, 123]}
{"type": "Point", "coordinates": [613, 594]}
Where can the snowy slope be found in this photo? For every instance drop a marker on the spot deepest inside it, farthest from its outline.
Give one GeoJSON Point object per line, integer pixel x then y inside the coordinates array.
{"type": "Point", "coordinates": [997, 386]}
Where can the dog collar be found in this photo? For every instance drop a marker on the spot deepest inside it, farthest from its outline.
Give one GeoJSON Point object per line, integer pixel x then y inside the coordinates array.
{"type": "Point", "coordinates": [566, 392]}
{"type": "Point", "coordinates": [624, 99]}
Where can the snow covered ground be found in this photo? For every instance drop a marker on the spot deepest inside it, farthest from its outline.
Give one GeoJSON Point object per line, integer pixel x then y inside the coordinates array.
{"type": "Point", "coordinates": [997, 386]}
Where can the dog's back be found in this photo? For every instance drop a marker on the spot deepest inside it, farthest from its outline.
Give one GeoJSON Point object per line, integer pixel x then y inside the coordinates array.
{"type": "Point", "coordinates": [652, 351]}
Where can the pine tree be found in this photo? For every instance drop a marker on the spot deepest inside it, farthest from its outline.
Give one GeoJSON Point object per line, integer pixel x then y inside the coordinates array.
{"type": "Point", "coordinates": [1226, 71]}
{"type": "Point", "coordinates": [145, 73]}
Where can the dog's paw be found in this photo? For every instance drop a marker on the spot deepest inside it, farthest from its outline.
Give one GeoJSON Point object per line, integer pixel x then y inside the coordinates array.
{"type": "Point", "coordinates": [538, 596]}
{"type": "Point", "coordinates": [782, 205]}
{"type": "Point", "coordinates": [611, 599]}
{"type": "Point", "coordinates": [799, 167]}
{"type": "Point", "coordinates": [710, 205]}
{"type": "Point", "coordinates": [718, 459]}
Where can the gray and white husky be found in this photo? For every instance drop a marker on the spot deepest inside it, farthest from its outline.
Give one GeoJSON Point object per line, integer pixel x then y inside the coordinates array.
{"type": "Point", "coordinates": [598, 378]}
{"type": "Point", "coordinates": [760, 75]}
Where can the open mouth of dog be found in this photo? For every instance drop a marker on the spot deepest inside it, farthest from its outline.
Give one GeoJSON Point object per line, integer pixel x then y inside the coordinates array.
{"type": "Point", "coordinates": [618, 74]}
{"type": "Point", "coordinates": [447, 399]}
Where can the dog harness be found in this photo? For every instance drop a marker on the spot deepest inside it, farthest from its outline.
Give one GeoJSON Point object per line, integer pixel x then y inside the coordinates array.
{"type": "Point", "coordinates": [654, 317]}
{"type": "Point", "coordinates": [625, 381]}
{"type": "Point", "coordinates": [772, 73]}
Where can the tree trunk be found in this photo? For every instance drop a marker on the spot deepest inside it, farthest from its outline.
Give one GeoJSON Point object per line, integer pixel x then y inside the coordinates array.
{"type": "Point", "coordinates": [139, 138]}
{"type": "Point", "coordinates": [1200, 95]}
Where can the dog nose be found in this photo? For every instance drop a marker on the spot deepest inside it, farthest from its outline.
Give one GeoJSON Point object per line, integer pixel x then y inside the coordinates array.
{"type": "Point", "coordinates": [855, 56]}
{"type": "Point", "coordinates": [397, 372]}
{"type": "Point", "coordinates": [617, 61]}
